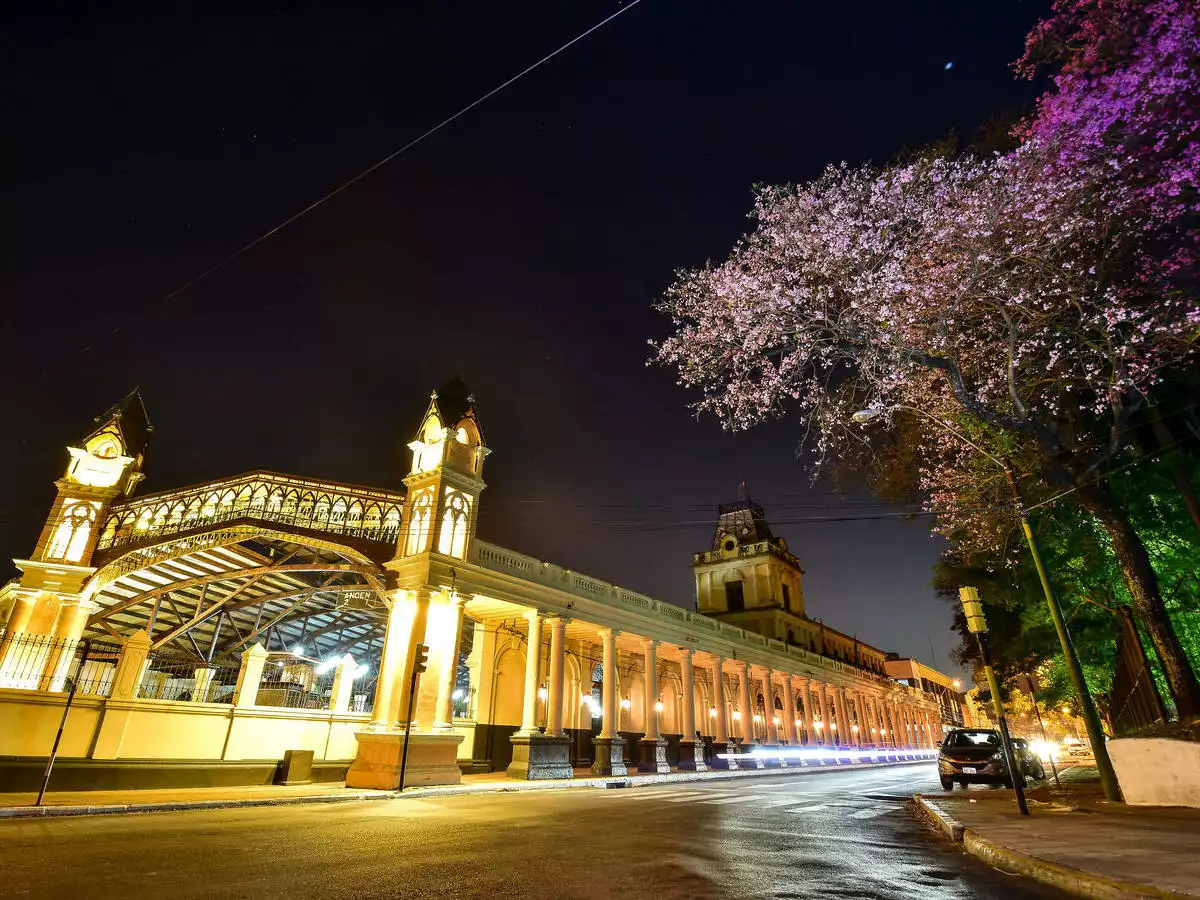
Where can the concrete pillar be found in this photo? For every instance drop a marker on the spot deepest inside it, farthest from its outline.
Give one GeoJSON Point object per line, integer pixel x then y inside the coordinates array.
{"type": "Point", "coordinates": [130, 665]}
{"type": "Point", "coordinates": [388, 687]}
{"type": "Point", "coordinates": [609, 745]}
{"type": "Point", "coordinates": [688, 723]}
{"type": "Point", "coordinates": [747, 709]}
{"type": "Point", "coordinates": [772, 730]}
{"type": "Point", "coordinates": [68, 628]}
{"type": "Point", "coordinates": [789, 718]}
{"type": "Point", "coordinates": [554, 699]}
{"type": "Point", "coordinates": [608, 696]}
{"type": "Point", "coordinates": [803, 684]}
{"type": "Point", "coordinates": [250, 676]}
{"type": "Point", "coordinates": [533, 661]}
{"type": "Point", "coordinates": [827, 733]}
{"type": "Point", "coordinates": [342, 688]}
{"type": "Point", "coordinates": [202, 684]}
{"type": "Point", "coordinates": [650, 691]}
{"type": "Point", "coordinates": [14, 632]}
{"type": "Point", "coordinates": [721, 723]}
{"type": "Point", "coordinates": [410, 703]}
{"type": "Point", "coordinates": [443, 719]}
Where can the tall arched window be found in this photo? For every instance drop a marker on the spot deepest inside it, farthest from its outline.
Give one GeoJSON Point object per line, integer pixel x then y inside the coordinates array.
{"type": "Point", "coordinates": [453, 538]}
{"type": "Point", "coordinates": [74, 529]}
{"type": "Point", "coordinates": [418, 526]}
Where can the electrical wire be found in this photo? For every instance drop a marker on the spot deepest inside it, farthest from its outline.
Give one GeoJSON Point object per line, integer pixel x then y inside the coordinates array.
{"type": "Point", "coordinates": [266, 235]}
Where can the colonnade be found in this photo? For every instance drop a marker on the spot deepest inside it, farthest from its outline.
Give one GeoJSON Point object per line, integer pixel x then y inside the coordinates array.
{"type": "Point", "coordinates": [742, 712]}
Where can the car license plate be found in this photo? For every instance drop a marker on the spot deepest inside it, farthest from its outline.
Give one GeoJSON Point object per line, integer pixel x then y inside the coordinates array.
{"type": "Point", "coordinates": [968, 770]}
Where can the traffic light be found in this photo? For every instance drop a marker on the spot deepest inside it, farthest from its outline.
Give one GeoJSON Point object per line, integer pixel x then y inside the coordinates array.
{"type": "Point", "coordinates": [422, 659]}
{"type": "Point", "coordinates": [973, 609]}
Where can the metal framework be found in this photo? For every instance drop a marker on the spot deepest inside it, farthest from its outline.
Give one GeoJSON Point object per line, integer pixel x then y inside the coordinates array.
{"type": "Point", "coordinates": [288, 562]}
{"type": "Point", "coordinates": [358, 513]}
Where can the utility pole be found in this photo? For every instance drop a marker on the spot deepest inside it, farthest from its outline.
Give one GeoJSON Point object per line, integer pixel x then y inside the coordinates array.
{"type": "Point", "coordinates": [1091, 718]}
{"type": "Point", "coordinates": [977, 625]}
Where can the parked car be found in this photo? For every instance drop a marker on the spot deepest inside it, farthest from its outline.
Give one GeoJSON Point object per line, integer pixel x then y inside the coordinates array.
{"type": "Point", "coordinates": [976, 756]}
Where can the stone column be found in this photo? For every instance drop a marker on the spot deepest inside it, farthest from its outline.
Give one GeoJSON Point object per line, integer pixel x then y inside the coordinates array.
{"type": "Point", "coordinates": [853, 728]}
{"type": "Point", "coordinates": [14, 636]}
{"type": "Point", "coordinates": [721, 722]}
{"type": "Point", "coordinates": [68, 628]}
{"type": "Point", "coordinates": [653, 749]}
{"type": "Point", "coordinates": [805, 691]}
{"type": "Point", "coordinates": [202, 680]}
{"type": "Point", "coordinates": [824, 735]}
{"type": "Point", "coordinates": [789, 701]}
{"type": "Point", "coordinates": [721, 743]}
{"type": "Point", "coordinates": [410, 700]}
{"type": "Point", "coordinates": [443, 717]}
{"type": "Point", "coordinates": [769, 707]}
{"type": "Point", "coordinates": [249, 676]}
{"type": "Point", "coordinates": [558, 652]}
{"type": "Point", "coordinates": [609, 746]}
{"type": "Point", "coordinates": [388, 689]}
{"type": "Point", "coordinates": [538, 756]}
{"type": "Point", "coordinates": [342, 688]}
{"type": "Point", "coordinates": [130, 665]}
{"type": "Point", "coordinates": [691, 749]}
{"type": "Point", "coordinates": [533, 661]}
{"type": "Point", "coordinates": [746, 707]}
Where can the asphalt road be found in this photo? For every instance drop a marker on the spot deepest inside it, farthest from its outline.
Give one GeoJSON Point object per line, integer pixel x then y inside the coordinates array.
{"type": "Point", "coordinates": [830, 835]}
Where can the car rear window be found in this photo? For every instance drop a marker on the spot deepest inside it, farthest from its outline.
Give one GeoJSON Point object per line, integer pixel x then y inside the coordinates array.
{"type": "Point", "coordinates": [973, 739]}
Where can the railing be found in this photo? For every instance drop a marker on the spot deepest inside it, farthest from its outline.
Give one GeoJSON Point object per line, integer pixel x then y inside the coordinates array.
{"type": "Point", "coordinates": [295, 687]}
{"type": "Point", "coordinates": [499, 559]}
{"type": "Point", "coordinates": [186, 679]}
{"type": "Point", "coordinates": [40, 662]}
{"type": "Point", "coordinates": [362, 513]}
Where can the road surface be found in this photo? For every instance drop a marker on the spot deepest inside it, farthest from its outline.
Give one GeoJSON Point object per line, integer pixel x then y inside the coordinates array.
{"type": "Point", "coordinates": [830, 835]}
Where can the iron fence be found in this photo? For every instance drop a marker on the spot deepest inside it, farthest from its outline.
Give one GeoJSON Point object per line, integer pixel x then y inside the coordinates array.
{"type": "Point", "coordinates": [188, 679]}
{"type": "Point", "coordinates": [41, 662]}
{"type": "Point", "coordinates": [293, 684]}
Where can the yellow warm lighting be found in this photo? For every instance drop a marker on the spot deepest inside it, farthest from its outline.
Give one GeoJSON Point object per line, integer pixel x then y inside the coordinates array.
{"type": "Point", "coordinates": [658, 706]}
{"type": "Point", "coordinates": [626, 703]}
{"type": "Point", "coordinates": [757, 718]}
{"type": "Point", "coordinates": [712, 711]}
{"type": "Point", "coordinates": [543, 693]}
{"type": "Point", "coordinates": [736, 716]}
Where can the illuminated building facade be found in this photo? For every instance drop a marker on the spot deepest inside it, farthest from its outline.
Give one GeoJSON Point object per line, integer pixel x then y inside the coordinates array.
{"type": "Point", "coordinates": [231, 621]}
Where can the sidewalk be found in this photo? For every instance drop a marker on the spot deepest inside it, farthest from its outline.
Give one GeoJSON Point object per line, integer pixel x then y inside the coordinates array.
{"type": "Point", "coordinates": [1074, 840]}
{"type": "Point", "coordinates": [78, 803]}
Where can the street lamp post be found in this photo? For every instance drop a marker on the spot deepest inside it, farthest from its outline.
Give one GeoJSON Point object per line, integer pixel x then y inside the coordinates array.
{"type": "Point", "coordinates": [1091, 718]}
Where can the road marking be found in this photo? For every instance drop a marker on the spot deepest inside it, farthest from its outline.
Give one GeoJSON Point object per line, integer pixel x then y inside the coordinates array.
{"type": "Point", "coordinates": [700, 796]}
{"type": "Point", "coordinates": [870, 813]}
{"type": "Point", "coordinates": [808, 809]}
{"type": "Point", "coordinates": [743, 798]}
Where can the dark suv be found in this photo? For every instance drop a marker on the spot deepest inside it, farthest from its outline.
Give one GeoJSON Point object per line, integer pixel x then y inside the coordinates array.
{"type": "Point", "coordinates": [976, 755]}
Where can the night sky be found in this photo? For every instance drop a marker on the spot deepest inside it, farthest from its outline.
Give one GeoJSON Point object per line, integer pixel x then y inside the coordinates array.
{"type": "Point", "coordinates": [522, 247]}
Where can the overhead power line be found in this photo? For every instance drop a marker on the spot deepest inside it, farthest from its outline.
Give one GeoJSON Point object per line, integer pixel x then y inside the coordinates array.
{"type": "Point", "coordinates": [266, 235]}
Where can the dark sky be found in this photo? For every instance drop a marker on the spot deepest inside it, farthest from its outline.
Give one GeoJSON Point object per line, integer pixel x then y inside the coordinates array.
{"type": "Point", "coordinates": [522, 246]}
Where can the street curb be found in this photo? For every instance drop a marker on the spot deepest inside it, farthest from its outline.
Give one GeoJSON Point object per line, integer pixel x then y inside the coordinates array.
{"type": "Point", "coordinates": [1077, 882]}
{"type": "Point", "coordinates": [939, 817]}
{"type": "Point", "coordinates": [418, 793]}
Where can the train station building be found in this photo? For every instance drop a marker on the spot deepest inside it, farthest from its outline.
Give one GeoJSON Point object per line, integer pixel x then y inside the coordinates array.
{"type": "Point", "coordinates": [201, 633]}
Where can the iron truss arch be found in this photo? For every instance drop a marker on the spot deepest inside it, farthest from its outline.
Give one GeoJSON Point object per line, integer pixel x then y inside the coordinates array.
{"type": "Point", "coordinates": [209, 595]}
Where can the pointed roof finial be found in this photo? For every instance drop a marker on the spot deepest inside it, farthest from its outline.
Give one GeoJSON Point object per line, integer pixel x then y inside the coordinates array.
{"type": "Point", "coordinates": [742, 489]}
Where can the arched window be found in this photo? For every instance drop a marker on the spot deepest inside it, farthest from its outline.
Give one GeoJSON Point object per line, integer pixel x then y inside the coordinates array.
{"type": "Point", "coordinates": [453, 539]}
{"type": "Point", "coordinates": [74, 529]}
{"type": "Point", "coordinates": [418, 526]}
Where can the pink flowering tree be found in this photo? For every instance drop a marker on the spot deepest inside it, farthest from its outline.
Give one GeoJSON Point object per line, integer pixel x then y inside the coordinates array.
{"type": "Point", "coordinates": [1125, 102]}
{"type": "Point", "coordinates": [986, 295]}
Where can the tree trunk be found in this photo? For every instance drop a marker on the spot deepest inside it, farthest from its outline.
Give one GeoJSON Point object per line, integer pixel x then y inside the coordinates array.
{"type": "Point", "coordinates": [1142, 583]}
